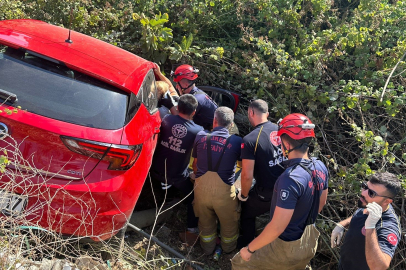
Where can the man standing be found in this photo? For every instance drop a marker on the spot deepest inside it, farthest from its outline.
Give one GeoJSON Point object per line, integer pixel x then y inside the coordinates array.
{"type": "Point", "coordinates": [185, 76]}
{"type": "Point", "coordinates": [171, 158]}
{"type": "Point", "coordinates": [374, 229]}
{"type": "Point", "coordinates": [261, 157]}
{"type": "Point", "coordinates": [216, 154]}
{"type": "Point", "coordinates": [289, 240]}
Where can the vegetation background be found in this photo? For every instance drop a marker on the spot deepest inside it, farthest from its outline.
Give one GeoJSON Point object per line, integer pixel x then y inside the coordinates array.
{"type": "Point", "coordinates": [329, 59]}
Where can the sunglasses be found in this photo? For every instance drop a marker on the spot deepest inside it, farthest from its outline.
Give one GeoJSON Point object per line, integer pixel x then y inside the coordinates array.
{"type": "Point", "coordinates": [372, 193]}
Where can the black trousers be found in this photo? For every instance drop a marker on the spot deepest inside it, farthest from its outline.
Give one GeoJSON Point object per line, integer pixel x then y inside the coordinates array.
{"type": "Point", "coordinates": [185, 187]}
{"type": "Point", "coordinates": [253, 207]}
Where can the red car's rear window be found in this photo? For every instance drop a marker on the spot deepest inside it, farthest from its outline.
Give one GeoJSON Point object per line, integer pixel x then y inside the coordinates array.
{"type": "Point", "coordinates": [46, 87]}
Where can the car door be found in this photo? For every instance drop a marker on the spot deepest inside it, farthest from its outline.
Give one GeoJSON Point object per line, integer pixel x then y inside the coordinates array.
{"type": "Point", "coordinates": [222, 97]}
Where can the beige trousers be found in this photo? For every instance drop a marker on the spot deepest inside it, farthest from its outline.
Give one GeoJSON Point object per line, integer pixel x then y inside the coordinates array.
{"type": "Point", "coordinates": [214, 199]}
{"type": "Point", "coordinates": [281, 255]}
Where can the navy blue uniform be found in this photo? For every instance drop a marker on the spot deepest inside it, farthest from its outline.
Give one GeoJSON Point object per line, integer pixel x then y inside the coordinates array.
{"type": "Point", "coordinates": [294, 189]}
{"type": "Point", "coordinates": [218, 139]}
{"type": "Point", "coordinates": [174, 148]}
{"type": "Point", "coordinates": [353, 249]}
{"type": "Point", "coordinates": [263, 146]}
{"type": "Point", "coordinates": [205, 109]}
{"type": "Point", "coordinates": [173, 153]}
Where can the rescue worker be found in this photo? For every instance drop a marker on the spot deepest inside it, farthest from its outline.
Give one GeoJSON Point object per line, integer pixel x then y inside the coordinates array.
{"type": "Point", "coordinates": [261, 155]}
{"type": "Point", "coordinates": [216, 154]}
{"type": "Point", "coordinates": [184, 77]}
{"type": "Point", "coordinates": [172, 154]}
{"type": "Point", "coordinates": [374, 229]}
{"type": "Point", "coordinates": [289, 241]}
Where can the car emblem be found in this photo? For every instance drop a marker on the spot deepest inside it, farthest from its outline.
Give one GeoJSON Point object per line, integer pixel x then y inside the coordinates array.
{"type": "Point", "coordinates": [3, 131]}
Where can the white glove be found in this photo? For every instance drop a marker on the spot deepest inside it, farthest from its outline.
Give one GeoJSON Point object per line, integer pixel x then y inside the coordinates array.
{"type": "Point", "coordinates": [336, 235]}
{"type": "Point", "coordinates": [374, 214]}
{"type": "Point", "coordinates": [241, 198]}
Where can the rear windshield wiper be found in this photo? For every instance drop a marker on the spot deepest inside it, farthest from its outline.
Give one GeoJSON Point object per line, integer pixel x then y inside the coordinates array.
{"type": "Point", "coordinates": [8, 96]}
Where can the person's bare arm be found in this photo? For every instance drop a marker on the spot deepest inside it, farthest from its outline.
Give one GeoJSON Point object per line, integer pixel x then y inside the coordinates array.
{"type": "Point", "coordinates": [323, 199]}
{"type": "Point", "coordinates": [247, 174]}
{"type": "Point", "coordinates": [376, 259]}
{"type": "Point", "coordinates": [162, 77]}
{"type": "Point", "coordinates": [276, 227]}
{"type": "Point", "coordinates": [174, 110]}
{"type": "Point", "coordinates": [346, 222]}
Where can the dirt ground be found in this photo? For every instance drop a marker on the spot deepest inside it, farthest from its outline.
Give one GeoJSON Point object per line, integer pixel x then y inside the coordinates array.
{"type": "Point", "coordinates": [168, 233]}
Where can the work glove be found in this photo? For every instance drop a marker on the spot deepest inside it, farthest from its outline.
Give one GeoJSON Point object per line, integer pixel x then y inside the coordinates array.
{"type": "Point", "coordinates": [167, 101]}
{"type": "Point", "coordinates": [374, 214]}
{"type": "Point", "coordinates": [337, 235]}
{"type": "Point", "coordinates": [175, 98]}
{"type": "Point", "coordinates": [239, 196]}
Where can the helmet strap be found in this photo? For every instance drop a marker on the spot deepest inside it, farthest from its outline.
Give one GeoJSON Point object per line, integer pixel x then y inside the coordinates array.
{"type": "Point", "coordinates": [287, 152]}
{"type": "Point", "coordinates": [182, 89]}
{"type": "Point", "coordinates": [286, 149]}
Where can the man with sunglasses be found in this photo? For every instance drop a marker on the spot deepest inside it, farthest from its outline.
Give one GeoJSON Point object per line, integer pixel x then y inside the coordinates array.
{"type": "Point", "coordinates": [184, 77]}
{"type": "Point", "coordinates": [374, 229]}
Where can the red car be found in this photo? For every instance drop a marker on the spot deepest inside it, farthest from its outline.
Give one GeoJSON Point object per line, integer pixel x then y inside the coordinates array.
{"type": "Point", "coordinates": [81, 146]}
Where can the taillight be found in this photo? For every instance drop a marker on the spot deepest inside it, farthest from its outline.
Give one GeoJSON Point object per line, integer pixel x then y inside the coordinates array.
{"type": "Point", "coordinates": [237, 101]}
{"type": "Point", "coordinates": [121, 157]}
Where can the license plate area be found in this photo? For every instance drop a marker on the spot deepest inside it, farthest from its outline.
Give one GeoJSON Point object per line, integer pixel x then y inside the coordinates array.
{"type": "Point", "coordinates": [12, 204]}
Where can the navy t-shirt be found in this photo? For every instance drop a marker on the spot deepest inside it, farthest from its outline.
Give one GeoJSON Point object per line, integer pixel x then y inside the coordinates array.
{"type": "Point", "coordinates": [294, 189]}
{"type": "Point", "coordinates": [267, 156]}
{"type": "Point", "coordinates": [174, 146]}
{"type": "Point", "coordinates": [232, 153]}
{"type": "Point", "coordinates": [353, 249]}
{"type": "Point", "coordinates": [205, 109]}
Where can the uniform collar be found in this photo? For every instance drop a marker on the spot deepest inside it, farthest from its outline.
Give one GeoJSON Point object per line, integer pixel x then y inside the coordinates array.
{"type": "Point", "coordinates": [292, 162]}
{"type": "Point", "coordinates": [261, 124]}
{"type": "Point", "coordinates": [194, 90]}
{"type": "Point", "coordinates": [220, 130]}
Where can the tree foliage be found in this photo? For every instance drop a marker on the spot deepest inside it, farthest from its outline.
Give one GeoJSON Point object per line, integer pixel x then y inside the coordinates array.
{"type": "Point", "coordinates": [327, 59]}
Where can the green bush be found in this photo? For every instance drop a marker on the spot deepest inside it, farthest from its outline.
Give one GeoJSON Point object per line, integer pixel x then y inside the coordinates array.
{"type": "Point", "coordinates": [327, 59]}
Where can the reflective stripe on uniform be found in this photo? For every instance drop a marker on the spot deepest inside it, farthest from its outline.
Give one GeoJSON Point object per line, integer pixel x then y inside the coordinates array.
{"type": "Point", "coordinates": [165, 186]}
{"type": "Point", "coordinates": [208, 238]}
{"type": "Point", "coordinates": [229, 239]}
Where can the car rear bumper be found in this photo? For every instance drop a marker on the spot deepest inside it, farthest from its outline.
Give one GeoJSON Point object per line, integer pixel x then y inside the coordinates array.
{"type": "Point", "coordinates": [86, 208]}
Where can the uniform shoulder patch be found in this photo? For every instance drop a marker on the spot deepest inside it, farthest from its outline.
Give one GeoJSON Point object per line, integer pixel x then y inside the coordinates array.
{"type": "Point", "coordinates": [275, 139]}
{"type": "Point", "coordinates": [284, 194]}
{"type": "Point", "coordinates": [393, 239]}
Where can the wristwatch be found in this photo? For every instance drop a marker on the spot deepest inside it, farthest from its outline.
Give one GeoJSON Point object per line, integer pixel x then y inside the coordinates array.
{"type": "Point", "coordinates": [244, 197]}
{"type": "Point", "coordinates": [248, 248]}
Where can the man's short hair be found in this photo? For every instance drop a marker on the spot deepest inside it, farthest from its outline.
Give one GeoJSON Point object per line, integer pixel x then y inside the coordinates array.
{"type": "Point", "coordinates": [224, 116]}
{"type": "Point", "coordinates": [305, 142]}
{"type": "Point", "coordinates": [389, 180]}
{"type": "Point", "coordinates": [259, 105]}
{"type": "Point", "coordinates": [187, 104]}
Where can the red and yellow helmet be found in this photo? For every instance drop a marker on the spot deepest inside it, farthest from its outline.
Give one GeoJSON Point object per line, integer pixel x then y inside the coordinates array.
{"type": "Point", "coordinates": [297, 126]}
{"type": "Point", "coordinates": [185, 72]}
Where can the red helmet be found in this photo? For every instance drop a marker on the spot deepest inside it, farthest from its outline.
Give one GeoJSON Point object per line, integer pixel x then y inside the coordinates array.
{"type": "Point", "coordinates": [185, 72]}
{"type": "Point", "coordinates": [297, 126]}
